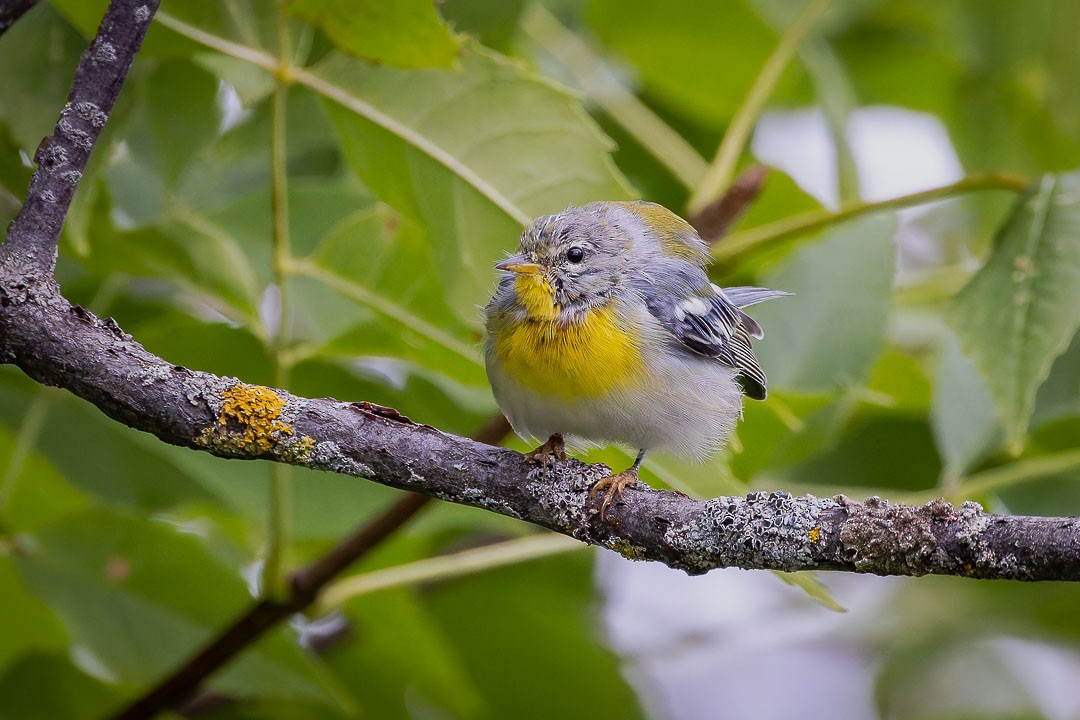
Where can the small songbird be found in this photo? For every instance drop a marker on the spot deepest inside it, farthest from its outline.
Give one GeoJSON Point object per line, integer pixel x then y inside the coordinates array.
{"type": "Point", "coordinates": [605, 329]}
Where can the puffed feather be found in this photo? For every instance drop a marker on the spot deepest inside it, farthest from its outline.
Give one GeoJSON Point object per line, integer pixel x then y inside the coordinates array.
{"type": "Point", "coordinates": [647, 264]}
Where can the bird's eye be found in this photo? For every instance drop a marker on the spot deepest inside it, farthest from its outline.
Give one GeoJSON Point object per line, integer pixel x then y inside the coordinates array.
{"type": "Point", "coordinates": [575, 254]}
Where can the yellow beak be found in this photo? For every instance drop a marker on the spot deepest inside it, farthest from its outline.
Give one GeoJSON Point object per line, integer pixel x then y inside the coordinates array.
{"type": "Point", "coordinates": [519, 264]}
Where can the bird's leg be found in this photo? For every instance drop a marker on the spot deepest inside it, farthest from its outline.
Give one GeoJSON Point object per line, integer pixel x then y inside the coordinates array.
{"type": "Point", "coordinates": [616, 483]}
{"type": "Point", "coordinates": [553, 446]}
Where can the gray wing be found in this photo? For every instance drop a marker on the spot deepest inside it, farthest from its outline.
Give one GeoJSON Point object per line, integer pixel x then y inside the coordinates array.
{"type": "Point", "coordinates": [710, 322]}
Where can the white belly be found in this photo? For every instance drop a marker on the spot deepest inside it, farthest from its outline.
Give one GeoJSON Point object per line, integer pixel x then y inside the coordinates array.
{"type": "Point", "coordinates": [689, 405]}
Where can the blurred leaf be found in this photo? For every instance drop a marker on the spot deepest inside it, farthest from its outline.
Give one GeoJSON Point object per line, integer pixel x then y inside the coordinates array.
{"type": "Point", "coordinates": [876, 451]}
{"type": "Point", "coordinates": [176, 115]}
{"type": "Point", "coordinates": [918, 682]}
{"type": "Point", "coordinates": [538, 616]}
{"type": "Point", "coordinates": [493, 22]}
{"type": "Point", "coordinates": [35, 495]}
{"type": "Point", "coordinates": [104, 574]}
{"type": "Point", "coordinates": [897, 381]}
{"type": "Point", "coordinates": [1059, 396]}
{"type": "Point", "coordinates": [997, 73]}
{"type": "Point", "coordinates": [1022, 308]}
{"type": "Point", "coordinates": [401, 313]}
{"type": "Point", "coordinates": [37, 628]}
{"type": "Point", "coordinates": [397, 658]}
{"type": "Point", "coordinates": [829, 334]}
{"type": "Point", "coordinates": [772, 433]}
{"type": "Point", "coordinates": [14, 174]}
{"type": "Point", "coordinates": [413, 138]}
{"type": "Point", "coordinates": [47, 686]}
{"type": "Point", "coordinates": [962, 416]}
{"type": "Point", "coordinates": [105, 459]}
{"type": "Point", "coordinates": [666, 44]}
{"type": "Point", "coordinates": [45, 50]}
{"type": "Point", "coordinates": [401, 33]}
{"type": "Point", "coordinates": [809, 583]}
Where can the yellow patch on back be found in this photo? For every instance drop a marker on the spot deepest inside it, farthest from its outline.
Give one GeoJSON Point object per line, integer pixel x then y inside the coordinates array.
{"type": "Point", "coordinates": [586, 359]}
{"type": "Point", "coordinates": [677, 237]}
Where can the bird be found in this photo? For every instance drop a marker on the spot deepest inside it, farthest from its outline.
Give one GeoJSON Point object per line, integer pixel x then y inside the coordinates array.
{"type": "Point", "coordinates": [604, 328]}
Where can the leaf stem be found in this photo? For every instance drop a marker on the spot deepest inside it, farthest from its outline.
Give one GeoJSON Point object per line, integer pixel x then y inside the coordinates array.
{"type": "Point", "coordinates": [279, 505]}
{"type": "Point", "coordinates": [603, 88]}
{"type": "Point", "coordinates": [722, 170]}
{"type": "Point", "coordinates": [443, 567]}
{"type": "Point", "coordinates": [1015, 473]}
{"type": "Point", "coordinates": [742, 243]}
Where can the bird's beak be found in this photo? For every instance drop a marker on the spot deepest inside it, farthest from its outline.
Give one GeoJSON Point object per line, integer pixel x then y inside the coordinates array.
{"type": "Point", "coordinates": [518, 264]}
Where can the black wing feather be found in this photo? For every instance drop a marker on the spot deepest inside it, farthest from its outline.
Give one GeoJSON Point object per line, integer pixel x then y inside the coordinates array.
{"type": "Point", "coordinates": [722, 331]}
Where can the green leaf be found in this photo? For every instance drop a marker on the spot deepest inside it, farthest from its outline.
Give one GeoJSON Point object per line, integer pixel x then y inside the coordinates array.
{"type": "Point", "coordinates": [962, 415]}
{"type": "Point", "coordinates": [876, 451]}
{"type": "Point", "coordinates": [1019, 312]}
{"type": "Point", "coordinates": [46, 50]}
{"type": "Point", "coordinates": [387, 265]}
{"type": "Point", "coordinates": [809, 583]}
{"type": "Point", "coordinates": [667, 44]}
{"type": "Point", "coordinates": [401, 33]}
{"type": "Point", "coordinates": [398, 657]}
{"type": "Point", "coordinates": [414, 139]}
{"type": "Point", "coordinates": [829, 334]}
{"type": "Point", "coordinates": [35, 494]}
{"type": "Point", "coordinates": [46, 686]}
{"type": "Point", "coordinates": [494, 22]}
{"type": "Point", "coordinates": [1059, 396]}
{"type": "Point", "coordinates": [37, 629]}
{"type": "Point", "coordinates": [105, 573]}
{"type": "Point", "coordinates": [105, 459]}
{"type": "Point", "coordinates": [540, 616]}
{"type": "Point", "coordinates": [176, 115]}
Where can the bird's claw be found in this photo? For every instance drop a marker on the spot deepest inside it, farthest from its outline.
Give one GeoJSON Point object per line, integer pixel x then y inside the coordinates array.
{"type": "Point", "coordinates": [554, 446]}
{"type": "Point", "coordinates": [615, 485]}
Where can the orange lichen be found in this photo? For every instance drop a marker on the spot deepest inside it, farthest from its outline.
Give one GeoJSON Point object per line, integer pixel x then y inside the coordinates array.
{"type": "Point", "coordinates": [249, 421]}
{"type": "Point", "coordinates": [814, 534]}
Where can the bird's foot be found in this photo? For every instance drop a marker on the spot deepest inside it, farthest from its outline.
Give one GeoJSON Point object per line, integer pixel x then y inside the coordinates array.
{"type": "Point", "coordinates": [614, 485]}
{"type": "Point", "coordinates": [553, 446]}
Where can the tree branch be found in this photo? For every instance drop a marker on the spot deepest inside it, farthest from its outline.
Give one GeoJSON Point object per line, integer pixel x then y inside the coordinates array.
{"type": "Point", "coordinates": [12, 10]}
{"type": "Point", "coordinates": [58, 344]}
{"type": "Point", "coordinates": [61, 158]}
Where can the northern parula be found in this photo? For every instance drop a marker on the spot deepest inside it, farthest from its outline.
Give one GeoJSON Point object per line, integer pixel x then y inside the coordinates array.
{"type": "Point", "coordinates": [605, 328]}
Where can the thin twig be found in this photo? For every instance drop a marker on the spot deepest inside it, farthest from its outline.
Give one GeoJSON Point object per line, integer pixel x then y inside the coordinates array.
{"type": "Point", "coordinates": [745, 242]}
{"type": "Point", "coordinates": [33, 236]}
{"type": "Point", "coordinates": [722, 168]}
{"type": "Point", "coordinates": [717, 217]}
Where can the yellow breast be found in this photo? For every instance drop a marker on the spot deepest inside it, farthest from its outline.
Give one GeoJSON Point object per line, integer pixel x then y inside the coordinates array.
{"type": "Point", "coordinates": [588, 358]}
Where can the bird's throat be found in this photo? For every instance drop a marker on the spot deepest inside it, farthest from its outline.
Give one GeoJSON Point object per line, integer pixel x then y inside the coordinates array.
{"type": "Point", "coordinates": [537, 296]}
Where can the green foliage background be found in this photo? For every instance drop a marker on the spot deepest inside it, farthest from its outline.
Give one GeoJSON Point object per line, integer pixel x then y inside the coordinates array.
{"type": "Point", "coordinates": [416, 143]}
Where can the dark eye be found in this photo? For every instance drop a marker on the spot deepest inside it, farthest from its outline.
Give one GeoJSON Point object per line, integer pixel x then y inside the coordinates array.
{"type": "Point", "coordinates": [575, 254]}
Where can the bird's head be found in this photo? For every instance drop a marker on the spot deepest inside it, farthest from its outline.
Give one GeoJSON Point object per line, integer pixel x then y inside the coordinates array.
{"type": "Point", "coordinates": [569, 263]}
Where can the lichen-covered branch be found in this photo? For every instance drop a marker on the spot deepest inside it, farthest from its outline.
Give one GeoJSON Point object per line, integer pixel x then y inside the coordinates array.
{"type": "Point", "coordinates": [61, 158]}
{"type": "Point", "coordinates": [59, 344]}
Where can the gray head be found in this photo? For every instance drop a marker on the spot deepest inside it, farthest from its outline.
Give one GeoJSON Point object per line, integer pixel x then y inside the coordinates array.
{"type": "Point", "coordinates": [578, 259]}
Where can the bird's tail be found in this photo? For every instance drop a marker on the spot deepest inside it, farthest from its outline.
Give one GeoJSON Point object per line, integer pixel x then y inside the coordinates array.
{"type": "Point", "coordinates": [742, 297]}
